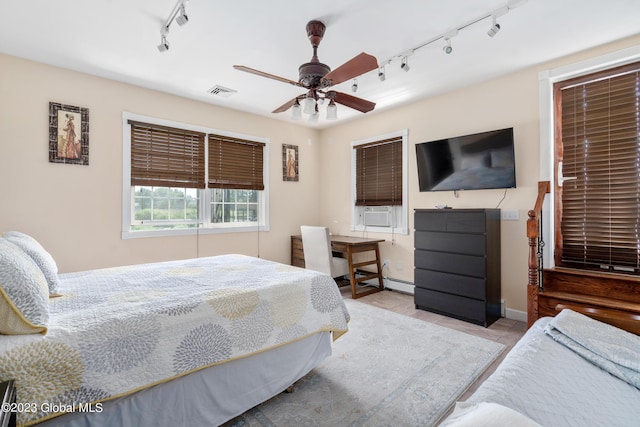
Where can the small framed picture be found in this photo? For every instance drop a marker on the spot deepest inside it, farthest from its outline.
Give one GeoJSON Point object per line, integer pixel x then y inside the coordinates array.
{"type": "Point", "coordinates": [68, 134]}
{"type": "Point", "coordinates": [290, 170]}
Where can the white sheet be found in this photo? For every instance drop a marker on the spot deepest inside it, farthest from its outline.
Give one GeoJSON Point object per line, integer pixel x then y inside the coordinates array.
{"type": "Point", "coordinates": [553, 386]}
{"type": "Point", "coordinates": [212, 396]}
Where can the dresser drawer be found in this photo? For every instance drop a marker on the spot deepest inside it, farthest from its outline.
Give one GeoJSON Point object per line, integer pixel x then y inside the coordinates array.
{"type": "Point", "coordinates": [451, 305]}
{"type": "Point", "coordinates": [450, 221]}
{"type": "Point", "coordinates": [467, 265]}
{"type": "Point", "coordinates": [471, 244]}
{"type": "Point", "coordinates": [470, 287]}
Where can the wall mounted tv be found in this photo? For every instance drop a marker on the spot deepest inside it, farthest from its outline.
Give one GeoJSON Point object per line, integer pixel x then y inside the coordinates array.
{"type": "Point", "coordinates": [470, 162]}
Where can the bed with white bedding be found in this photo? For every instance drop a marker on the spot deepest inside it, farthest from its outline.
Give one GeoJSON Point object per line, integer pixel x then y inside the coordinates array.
{"type": "Point", "coordinates": [569, 370]}
{"type": "Point", "coordinates": [193, 342]}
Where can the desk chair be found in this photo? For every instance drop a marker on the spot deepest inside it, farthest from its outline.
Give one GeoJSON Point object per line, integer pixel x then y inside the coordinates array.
{"type": "Point", "coordinates": [316, 245]}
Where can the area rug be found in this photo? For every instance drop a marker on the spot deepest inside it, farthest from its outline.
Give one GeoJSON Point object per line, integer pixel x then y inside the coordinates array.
{"type": "Point", "coordinates": [388, 370]}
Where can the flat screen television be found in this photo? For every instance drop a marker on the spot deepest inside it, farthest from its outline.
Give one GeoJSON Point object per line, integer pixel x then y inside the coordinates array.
{"type": "Point", "coordinates": [470, 162]}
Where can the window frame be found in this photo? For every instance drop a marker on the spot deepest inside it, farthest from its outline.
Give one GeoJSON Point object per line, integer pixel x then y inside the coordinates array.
{"type": "Point", "coordinates": [547, 159]}
{"type": "Point", "coordinates": [401, 212]}
{"type": "Point", "coordinates": [205, 194]}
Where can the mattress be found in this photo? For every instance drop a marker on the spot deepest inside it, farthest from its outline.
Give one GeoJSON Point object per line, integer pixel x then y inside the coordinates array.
{"type": "Point", "coordinates": [554, 386]}
{"type": "Point", "coordinates": [118, 331]}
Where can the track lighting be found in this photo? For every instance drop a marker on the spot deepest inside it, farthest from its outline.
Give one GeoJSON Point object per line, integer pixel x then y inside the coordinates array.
{"type": "Point", "coordinates": [494, 28]}
{"type": "Point", "coordinates": [447, 48]}
{"type": "Point", "coordinates": [182, 17]}
{"type": "Point", "coordinates": [354, 86]}
{"type": "Point", "coordinates": [164, 44]}
{"type": "Point", "coordinates": [381, 74]}
{"type": "Point", "coordinates": [405, 64]}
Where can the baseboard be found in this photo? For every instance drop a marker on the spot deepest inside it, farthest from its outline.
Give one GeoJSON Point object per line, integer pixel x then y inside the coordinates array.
{"type": "Point", "coordinates": [407, 288]}
{"type": "Point", "coordinates": [516, 315]}
{"type": "Point", "coordinates": [398, 285]}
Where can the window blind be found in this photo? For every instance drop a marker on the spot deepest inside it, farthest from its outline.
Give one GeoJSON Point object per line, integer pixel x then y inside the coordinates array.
{"type": "Point", "coordinates": [166, 157]}
{"type": "Point", "coordinates": [235, 163]}
{"type": "Point", "coordinates": [379, 173]}
{"type": "Point", "coordinates": [599, 117]}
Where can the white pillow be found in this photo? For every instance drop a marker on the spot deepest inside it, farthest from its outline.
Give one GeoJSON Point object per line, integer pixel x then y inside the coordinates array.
{"type": "Point", "coordinates": [24, 293]}
{"type": "Point", "coordinates": [486, 414]}
{"type": "Point", "coordinates": [40, 256]}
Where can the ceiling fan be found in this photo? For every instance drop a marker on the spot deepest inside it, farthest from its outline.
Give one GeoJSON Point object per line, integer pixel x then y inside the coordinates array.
{"type": "Point", "coordinates": [317, 77]}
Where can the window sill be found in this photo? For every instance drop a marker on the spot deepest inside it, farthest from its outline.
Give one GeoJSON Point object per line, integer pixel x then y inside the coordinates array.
{"type": "Point", "coordinates": [387, 230]}
{"type": "Point", "coordinates": [192, 232]}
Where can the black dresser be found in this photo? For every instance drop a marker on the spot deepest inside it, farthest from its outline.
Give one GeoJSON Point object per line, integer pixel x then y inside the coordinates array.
{"type": "Point", "coordinates": [457, 263]}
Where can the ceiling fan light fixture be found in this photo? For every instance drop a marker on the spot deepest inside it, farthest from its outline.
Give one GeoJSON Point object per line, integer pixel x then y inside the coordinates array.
{"type": "Point", "coordinates": [354, 87]}
{"type": "Point", "coordinates": [313, 118]}
{"type": "Point", "coordinates": [309, 104]}
{"type": "Point", "coordinates": [296, 111]}
{"type": "Point", "coordinates": [332, 110]}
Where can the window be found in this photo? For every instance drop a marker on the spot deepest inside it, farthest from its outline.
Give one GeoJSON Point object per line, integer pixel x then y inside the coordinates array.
{"type": "Point", "coordinates": [379, 176]}
{"type": "Point", "coordinates": [598, 154]}
{"type": "Point", "coordinates": [178, 178]}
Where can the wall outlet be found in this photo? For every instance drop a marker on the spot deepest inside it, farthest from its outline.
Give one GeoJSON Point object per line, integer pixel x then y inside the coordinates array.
{"type": "Point", "coordinates": [386, 263]}
{"type": "Point", "coordinates": [510, 214]}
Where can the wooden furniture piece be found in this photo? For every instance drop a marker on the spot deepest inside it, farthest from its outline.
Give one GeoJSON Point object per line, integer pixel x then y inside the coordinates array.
{"type": "Point", "coordinates": [349, 246]}
{"type": "Point", "coordinates": [609, 297]}
{"type": "Point", "coordinates": [8, 397]}
{"type": "Point", "coordinates": [457, 263]}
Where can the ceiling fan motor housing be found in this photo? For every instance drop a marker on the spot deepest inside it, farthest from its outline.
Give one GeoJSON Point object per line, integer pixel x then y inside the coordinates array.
{"type": "Point", "coordinates": [312, 73]}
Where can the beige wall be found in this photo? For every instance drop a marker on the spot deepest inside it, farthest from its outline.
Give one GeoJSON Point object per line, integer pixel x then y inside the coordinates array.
{"type": "Point", "coordinates": [508, 101]}
{"type": "Point", "coordinates": [75, 211]}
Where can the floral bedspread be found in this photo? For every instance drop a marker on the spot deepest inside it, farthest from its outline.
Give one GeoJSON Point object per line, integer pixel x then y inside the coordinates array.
{"type": "Point", "coordinates": [118, 330]}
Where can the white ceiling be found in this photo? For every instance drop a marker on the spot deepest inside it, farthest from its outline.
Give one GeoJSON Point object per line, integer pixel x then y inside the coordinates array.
{"type": "Point", "coordinates": [117, 39]}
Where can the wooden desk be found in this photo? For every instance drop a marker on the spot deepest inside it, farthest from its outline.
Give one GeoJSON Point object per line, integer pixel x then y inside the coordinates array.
{"type": "Point", "coordinates": [348, 246]}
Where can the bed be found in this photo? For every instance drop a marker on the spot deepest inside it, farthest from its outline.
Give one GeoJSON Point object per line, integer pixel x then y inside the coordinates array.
{"type": "Point", "coordinates": [569, 370]}
{"type": "Point", "coordinates": [192, 342]}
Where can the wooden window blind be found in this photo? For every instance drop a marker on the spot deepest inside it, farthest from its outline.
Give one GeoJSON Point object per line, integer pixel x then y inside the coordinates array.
{"type": "Point", "coordinates": [599, 145]}
{"type": "Point", "coordinates": [379, 173]}
{"type": "Point", "coordinates": [166, 157]}
{"type": "Point", "coordinates": [235, 163]}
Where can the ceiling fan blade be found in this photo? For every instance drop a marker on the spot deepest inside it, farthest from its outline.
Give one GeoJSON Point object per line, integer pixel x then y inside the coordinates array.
{"type": "Point", "coordinates": [285, 106]}
{"type": "Point", "coordinates": [354, 67]}
{"type": "Point", "coordinates": [267, 75]}
{"type": "Point", "coordinates": [354, 102]}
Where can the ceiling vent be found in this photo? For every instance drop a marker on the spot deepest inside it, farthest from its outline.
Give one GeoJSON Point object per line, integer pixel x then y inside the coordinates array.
{"type": "Point", "coordinates": [222, 91]}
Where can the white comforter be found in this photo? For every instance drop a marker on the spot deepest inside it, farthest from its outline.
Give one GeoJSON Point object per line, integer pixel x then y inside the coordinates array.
{"type": "Point", "coordinates": [118, 330]}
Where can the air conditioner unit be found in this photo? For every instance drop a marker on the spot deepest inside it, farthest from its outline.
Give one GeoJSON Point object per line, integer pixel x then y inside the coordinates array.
{"type": "Point", "coordinates": [378, 216]}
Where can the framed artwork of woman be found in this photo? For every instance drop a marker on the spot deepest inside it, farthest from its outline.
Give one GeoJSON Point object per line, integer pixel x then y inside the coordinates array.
{"type": "Point", "coordinates": [68, 134]}
{"type": "Point", "coordinates": [290, 170]}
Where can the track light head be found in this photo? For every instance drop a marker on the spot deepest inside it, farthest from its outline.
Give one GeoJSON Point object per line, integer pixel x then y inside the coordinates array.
{"type": "Point", "coordinates": [494, 28]}
{"type": "Point", "coordinates": [182, 17]}
{"type": "Point", "coordinates": [164, 44]}
{"type": "Point", "coordinates": [448, 48]}
{"type": "Point", "coordinates": [405, 64]}
{"type": "Point", "coordinates": [381, 74]}
{"type": "Point", "coordinates": [354, 86]}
